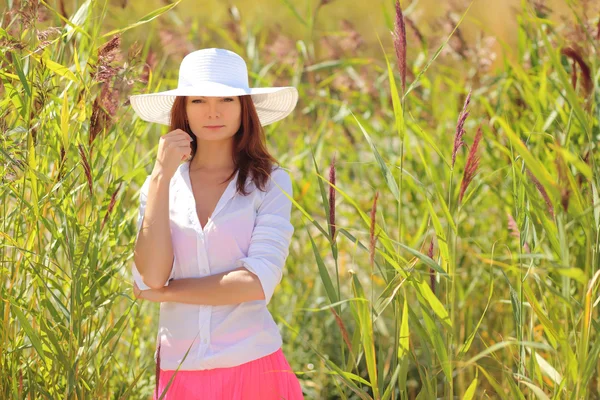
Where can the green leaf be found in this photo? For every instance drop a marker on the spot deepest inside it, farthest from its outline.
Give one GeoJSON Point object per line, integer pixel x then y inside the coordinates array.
{"type": "Point", "coordinates": [64, 122]}
{"type": "Point", "coordinates": [325, 278]}
{"type": "Point", "coordinates": [429, 299]}
{"type": "Point", "coordinates": [470, 392]}
{"type": "Point", "coordinates": [438, 343]}
{"type": "Point", "coordinates": [404, 350]}
{"type": "Point", "coordinates": [36, 341]}
{"type": "Point", "coordinates": [536, 167]}
{"type": "Point", "coordinates": [441, 237]}
{"type": "Point", "coordinates": [59, 69]}
{"type": "Point", "coordinates": [467, 344]}
{"type": "Point", "coordinates": [539, 393]}
{"type": "Point", "coordinates": [366, 329]}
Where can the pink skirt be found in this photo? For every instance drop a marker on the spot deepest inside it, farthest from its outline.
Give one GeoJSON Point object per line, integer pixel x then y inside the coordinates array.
{"type": "Point", "coordinates": [266, 378]}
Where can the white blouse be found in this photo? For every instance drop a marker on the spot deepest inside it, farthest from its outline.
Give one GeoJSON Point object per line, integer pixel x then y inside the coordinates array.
{"type": "Point", "coordinates": [253, 231]}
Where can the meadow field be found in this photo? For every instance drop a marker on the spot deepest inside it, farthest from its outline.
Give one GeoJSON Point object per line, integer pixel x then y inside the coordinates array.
{"type": "Point", "coordinates": [446, 192]}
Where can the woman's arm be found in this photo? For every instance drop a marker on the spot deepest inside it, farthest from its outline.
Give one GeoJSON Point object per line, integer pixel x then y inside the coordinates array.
{"type": "Point", "coordinates": [232, 287]}
{"type": "Point", "coordinates": [256, 275]}
{"type": "Point", "coordinates": [153, 252]}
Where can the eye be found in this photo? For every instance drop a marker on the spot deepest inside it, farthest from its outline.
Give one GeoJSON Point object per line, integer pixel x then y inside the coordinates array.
{"type": "Point", "coordinates": [228, 99]}
{"type": "Point", "coordinates": [196, 100]}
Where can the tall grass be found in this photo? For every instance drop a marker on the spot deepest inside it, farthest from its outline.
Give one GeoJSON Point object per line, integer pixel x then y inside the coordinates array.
{"type": "Point", "coordinates": [447, 241]}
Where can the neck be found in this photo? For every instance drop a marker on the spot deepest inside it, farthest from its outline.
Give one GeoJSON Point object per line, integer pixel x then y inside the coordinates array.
{"type": "Point", "coordinates": [213, 155]}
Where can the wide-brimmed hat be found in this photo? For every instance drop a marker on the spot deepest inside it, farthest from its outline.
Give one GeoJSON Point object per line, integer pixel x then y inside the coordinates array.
{"type": "Point", "coordinates": [216, 72]}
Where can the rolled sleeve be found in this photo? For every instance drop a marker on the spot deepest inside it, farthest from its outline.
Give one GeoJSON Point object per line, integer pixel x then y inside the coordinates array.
{"type": "Point", "coordinates": [272, 234]}
{"type": "Point", "coordinates": [142, 208]}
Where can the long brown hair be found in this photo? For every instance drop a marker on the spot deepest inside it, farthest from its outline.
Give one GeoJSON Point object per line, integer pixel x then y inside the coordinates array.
{"type": "Point", "coordinates": [250, 154]}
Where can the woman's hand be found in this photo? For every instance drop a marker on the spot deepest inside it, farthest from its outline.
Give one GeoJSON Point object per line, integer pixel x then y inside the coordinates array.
{"type": "Point", "coordinates": [173, 148]}
{"type": "Point", "coordinates": [154, 295]}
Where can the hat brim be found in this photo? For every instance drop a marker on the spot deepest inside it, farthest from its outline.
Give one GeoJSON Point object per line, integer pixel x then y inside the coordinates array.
{"type": "Point", "coordinates": [272, 103]}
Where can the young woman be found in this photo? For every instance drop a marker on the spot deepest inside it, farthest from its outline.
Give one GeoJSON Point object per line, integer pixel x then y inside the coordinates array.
{"type": "Point", "coordinates": [214, 233]}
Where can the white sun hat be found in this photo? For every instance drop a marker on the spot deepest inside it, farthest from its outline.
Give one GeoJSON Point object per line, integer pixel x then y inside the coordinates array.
{"type": "Point", "coordinates": [216, 72]}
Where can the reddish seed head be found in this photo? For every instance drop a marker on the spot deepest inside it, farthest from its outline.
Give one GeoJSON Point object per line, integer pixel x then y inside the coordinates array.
{"type": "Point", "coordinates": [113, 200]}
{"type": "Point", "coordinates": [586, 77]}
{"type": "Point", "coordinates": [471, 166]}
{"type": "Point", "coordinates": [343, 329]}
{"type": "Point", "coordinates": [542, 191]}
{"type": "Point", "coordinates": [563, 181]}
{"type": "Point", "coordinates": [431, 270]}
{"type": "Point", "coordinates": [460, 131]}
{"type": "Point", "coordinates": [514, 231]}
{"type": "Point", "coordinates": [400, 43]}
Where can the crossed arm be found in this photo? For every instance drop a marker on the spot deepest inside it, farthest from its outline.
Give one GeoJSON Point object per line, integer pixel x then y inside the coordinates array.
{"type": "Point", "coordinates": [232, 287]}
{"type": "Point", "coordinates": [256, 275]}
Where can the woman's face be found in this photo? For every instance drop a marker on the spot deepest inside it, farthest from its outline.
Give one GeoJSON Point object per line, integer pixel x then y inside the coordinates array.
{"type": "Point", "coordinates": [223, 113]}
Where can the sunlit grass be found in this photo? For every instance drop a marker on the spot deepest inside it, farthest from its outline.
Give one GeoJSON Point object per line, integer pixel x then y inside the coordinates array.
{"type": "Point", "coordinates": [446, 224]}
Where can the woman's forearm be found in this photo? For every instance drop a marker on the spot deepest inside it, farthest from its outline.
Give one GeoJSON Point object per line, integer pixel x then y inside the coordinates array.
{"type": "Point", "coordinates": [153, 253]}
{"type": "Point", "coordinates": [232, 287]}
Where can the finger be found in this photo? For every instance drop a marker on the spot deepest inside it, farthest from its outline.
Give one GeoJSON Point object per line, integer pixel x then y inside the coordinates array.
{"type": "Point", "coordinates": [177, 133]}
{"type": "Point", "coordinates": [182, 146]}
{"type": "Point", "coordinates": [182, 141]}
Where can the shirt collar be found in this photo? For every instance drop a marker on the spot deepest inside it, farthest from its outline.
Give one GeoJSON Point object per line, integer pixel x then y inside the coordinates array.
{"type": "Point", "coordinates": [229, 192]}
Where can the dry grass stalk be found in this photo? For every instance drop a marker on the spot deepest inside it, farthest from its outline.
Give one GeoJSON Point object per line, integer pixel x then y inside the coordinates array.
{"type": "Point", "coordinates": [431, 270]}
{"type": "Point", "coordinates": [586, 76]}
{"type": "Point", "coordinates": [104, 109]}
{"type": "Point", "coordinates": [86, 168]}
{"type": "Point", "coordinates": [332, 199]}
{"type": "Point", "coordinates": [111, 205]}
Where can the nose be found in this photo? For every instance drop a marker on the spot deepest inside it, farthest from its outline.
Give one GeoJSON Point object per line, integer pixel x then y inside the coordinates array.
{"type": "Point", "coordinates": [213, 110]}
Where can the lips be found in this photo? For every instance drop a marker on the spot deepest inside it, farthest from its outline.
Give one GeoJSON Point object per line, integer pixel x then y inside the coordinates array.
{"type": "Point", "coordinates": [214, 126]}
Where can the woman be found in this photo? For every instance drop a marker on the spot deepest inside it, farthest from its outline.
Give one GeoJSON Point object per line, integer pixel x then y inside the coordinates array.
{"type": "Point", "coordinates": [214, 233]}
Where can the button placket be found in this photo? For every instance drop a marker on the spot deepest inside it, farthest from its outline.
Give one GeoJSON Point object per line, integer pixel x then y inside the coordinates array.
{"type": "Point", "coordinates": [204, 312]}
